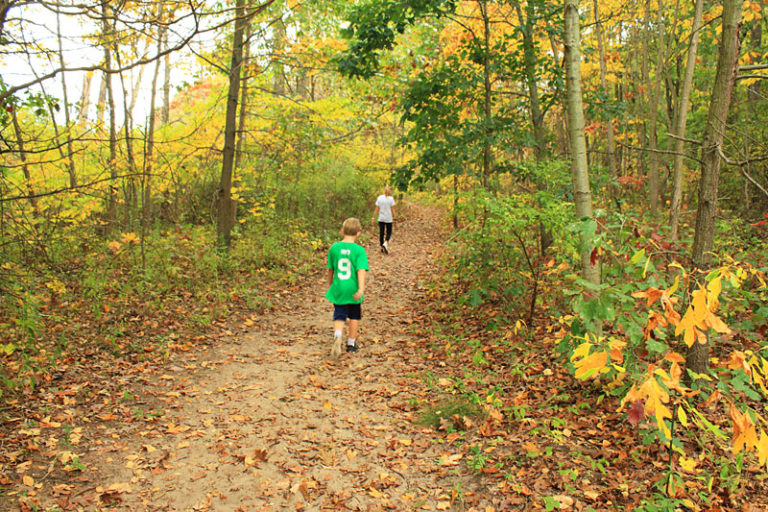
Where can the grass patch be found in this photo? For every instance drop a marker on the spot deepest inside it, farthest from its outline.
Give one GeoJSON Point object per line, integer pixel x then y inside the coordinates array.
{"type": "Point", "coordinates": [452, 410]}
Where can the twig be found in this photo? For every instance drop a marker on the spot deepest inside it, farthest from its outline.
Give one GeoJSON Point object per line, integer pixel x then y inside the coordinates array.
{"type": "Point", "coordinates": [753, 67]}
{"type": "Point", "coordinates": [741, 165]}
{"type": "Point", "coordinates": [692, 141]}
{"type": "Point", "coordinates": [756, 77]}
{"type": "Point", "coordinates": [660, 151]}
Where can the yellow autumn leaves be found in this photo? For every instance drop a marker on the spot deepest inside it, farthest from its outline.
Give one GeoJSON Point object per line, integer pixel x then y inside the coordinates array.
{"type": "Point", "coordinates": [659, 394]}
{"type": "Point", "coordinates": [700, 316]}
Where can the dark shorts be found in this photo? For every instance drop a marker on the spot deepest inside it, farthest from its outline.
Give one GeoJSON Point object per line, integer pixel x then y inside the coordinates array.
{"type": "Point", "coordinates": [347, 311]}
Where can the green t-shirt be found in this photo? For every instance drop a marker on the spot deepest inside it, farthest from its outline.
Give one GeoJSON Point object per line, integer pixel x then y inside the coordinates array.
{"type": "Point", "coordinates": [345, 258]}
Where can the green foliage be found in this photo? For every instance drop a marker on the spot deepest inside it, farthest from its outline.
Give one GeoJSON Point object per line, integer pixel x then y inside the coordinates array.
{"type": "Point", "coordinates": [498, 255]}
{"type": "Point", "coordinates": [374, 26]}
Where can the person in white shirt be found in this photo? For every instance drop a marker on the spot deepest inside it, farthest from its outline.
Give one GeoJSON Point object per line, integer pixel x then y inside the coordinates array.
{"type": "Point", "coordinates": [386, 217]}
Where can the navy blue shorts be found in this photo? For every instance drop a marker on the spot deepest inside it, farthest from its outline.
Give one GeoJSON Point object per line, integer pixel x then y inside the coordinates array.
{"type": "Point", "coordinates": [347, 311]}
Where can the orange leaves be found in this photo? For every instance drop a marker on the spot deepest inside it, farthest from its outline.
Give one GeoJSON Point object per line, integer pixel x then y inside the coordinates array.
{"type": "Point", "coordinates": [667, 301]}
{"type": "Point", "coordinates": [700, 317]}
{"type": "Point", "coordinates": [744, 433]}
{"type": "Point", "coordinates": [653, 394]}
{"type": "Point", "coordinates": [588, 365]}
{"type": "Point", "coordinates": [762, 449]}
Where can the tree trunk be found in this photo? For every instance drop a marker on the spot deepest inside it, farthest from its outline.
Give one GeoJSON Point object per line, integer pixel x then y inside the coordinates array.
{"type": "Point", "coordinates": [131, 197]}
{"type": "Point", "coordinates": [725, 77]}
{"type": "Point", "coordinates": [226, 212]}
{"type": "Point", "coordinates": [243, 110]}
{"type": "Point", "coordinates": [110, 98]}
{"type": "Point", "coordinates": [24, 166]}
{"type": "Point", "coordinates": [680, 122]}
{"type": "Point", "coordinates": [575, 111]}
{"type": "Point", "coordinates": [641, 93]}
{"type": "Point", "coordinates": [85, 98]}
{"type": "Point", "coordinates": [67, 120]}
{"type": "Point", "coordinates": [529, 62]}
{"type": "Point", "coordinates": [278, 45]}
{"type": "Point", "coordinates": [166, 110]}
{"type": "Point", "coordinates": [135, 91]}
{"type": "Point", "coordinates": [486, 94]}
{"type": "Point", "coordinates": [105, 77]}
{"type": "Point", "coordinates": [612, 169]}
{"type": "Point", "coordinates": [653, 112]}
{"type": "Point", "coordinates": [150, 144]}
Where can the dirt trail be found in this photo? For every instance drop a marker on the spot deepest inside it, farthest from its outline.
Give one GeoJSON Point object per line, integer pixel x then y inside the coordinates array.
{"type": "Point", "coordinates": [269, 422]}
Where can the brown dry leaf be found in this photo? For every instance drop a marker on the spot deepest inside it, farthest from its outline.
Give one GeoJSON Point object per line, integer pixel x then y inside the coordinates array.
{"type": "Point", "coordinates": [376, 493]}
{"type": "Point", "coordinates": [592, 495]}
{"type": "Point", "coordinates": [450, 460]}
{"type": "Point", "coordinates": [176, 429]}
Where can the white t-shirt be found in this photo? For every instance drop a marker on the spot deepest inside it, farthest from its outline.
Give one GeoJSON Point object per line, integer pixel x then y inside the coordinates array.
{"type": "Point", "coordinates": [385, 204]}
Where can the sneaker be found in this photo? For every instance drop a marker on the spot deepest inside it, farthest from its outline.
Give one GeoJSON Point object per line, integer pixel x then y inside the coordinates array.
{"type": "Point", "coordinates": [336, 347]}
{"type": "Point", "coordinates": [352, 348]}
{"type": "Point", "coordinates": [385, 248]}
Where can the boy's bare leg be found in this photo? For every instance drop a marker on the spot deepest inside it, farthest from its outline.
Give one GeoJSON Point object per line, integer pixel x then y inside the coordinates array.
{"type": "Point", "coordinates": [338, 326]}
{"type": "Point", "coordinates": [353, 328]}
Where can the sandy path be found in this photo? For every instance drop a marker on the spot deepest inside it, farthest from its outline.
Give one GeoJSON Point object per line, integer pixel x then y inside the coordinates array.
{"type": "Point", "coordinates": [269, 422]}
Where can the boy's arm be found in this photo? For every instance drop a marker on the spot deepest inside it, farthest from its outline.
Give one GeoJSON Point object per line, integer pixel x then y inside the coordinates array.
{"type": "Point", "coordinates": [375, 213]}
{"type": "Point", "coordinates": [330, 276]}
{"type": "Point", "coordinates": [360, 284]}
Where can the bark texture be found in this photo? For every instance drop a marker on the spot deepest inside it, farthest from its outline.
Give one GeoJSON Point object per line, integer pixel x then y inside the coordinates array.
{"type": "Point", "coordinates": [575, 113]}
{"type": "Point", "coordinates": [725, 77]}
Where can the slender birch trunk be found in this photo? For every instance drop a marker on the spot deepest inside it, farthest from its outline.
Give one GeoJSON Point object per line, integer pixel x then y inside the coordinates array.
{"type": "Point", "coordinates": [575, 110]}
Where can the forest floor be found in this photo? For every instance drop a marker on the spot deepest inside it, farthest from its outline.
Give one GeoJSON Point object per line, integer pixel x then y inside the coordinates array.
{"type": "Point", "coordinates": [264, 419]}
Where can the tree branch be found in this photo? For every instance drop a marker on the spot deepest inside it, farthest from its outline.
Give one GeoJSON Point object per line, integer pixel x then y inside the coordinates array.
{"type": "Point", "coordinates": [758, 77]}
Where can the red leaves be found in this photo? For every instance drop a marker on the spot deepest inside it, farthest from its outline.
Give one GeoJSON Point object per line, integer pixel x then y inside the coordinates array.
{"type": "Point", "coordinates": [636, 412]}
{"type": "Point", "coordinates": [762, 222]}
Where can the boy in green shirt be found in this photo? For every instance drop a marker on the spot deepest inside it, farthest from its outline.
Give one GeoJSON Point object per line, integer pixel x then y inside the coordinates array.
{"type": "Point", "coordinates": [347, 263]}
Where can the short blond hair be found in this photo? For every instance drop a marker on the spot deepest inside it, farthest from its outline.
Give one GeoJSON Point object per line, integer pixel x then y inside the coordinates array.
{"type": "Point", "coordinates": [387, 190]}
{"type": "Point", "coordinates": [351, 227]}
